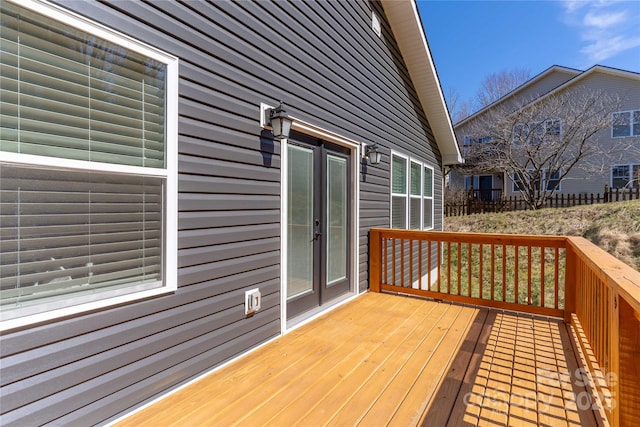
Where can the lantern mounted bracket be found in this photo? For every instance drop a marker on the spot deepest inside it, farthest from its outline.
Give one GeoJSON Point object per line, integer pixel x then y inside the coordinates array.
{"type": "Point", "coordinates": [372, 154]}
{"type": "Point", "coordinates": [276, 118]}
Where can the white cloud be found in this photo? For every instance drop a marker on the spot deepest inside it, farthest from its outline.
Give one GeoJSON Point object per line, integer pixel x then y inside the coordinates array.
{"type": "Point", "coordinates": [603, 20]}
{"type": "Point", "coordinates": [572, 5]}
{"type": "Point", "coordinates": [602, 48]}
{"type": "Point", "coordinates": [608, 27]}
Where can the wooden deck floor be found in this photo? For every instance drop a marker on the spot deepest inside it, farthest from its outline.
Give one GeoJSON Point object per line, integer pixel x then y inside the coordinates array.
{"type": "Point", "coordinates": [392, 360]}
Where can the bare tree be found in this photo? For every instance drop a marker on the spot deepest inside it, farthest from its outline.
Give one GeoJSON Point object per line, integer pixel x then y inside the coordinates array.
{"type": "Point", "coordinates": [493, 87]}
{"type": "Point", "coordinates": [540, 143]}
{"type": "Point", "coordinates": [458, 109]}
{"type": "Point", "coordinates": [496, 85]}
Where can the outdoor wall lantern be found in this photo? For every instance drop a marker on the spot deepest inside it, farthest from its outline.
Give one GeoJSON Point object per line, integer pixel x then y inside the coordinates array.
{"type": "Point", "coordinates": [280, 122]}
{"type": "Point", "coordinates": [372, 154]}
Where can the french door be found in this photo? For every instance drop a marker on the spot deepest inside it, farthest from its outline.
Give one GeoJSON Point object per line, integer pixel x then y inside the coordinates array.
{"type": "Point", "coordinates": [318, 224]}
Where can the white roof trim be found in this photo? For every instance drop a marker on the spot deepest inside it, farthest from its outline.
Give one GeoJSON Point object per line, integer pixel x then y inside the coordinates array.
{"type": "Point", "coordinates": [409, 34]}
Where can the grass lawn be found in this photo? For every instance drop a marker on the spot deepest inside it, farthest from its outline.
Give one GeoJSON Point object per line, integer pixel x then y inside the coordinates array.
{"type": "Point", "coordinates": [510, 273]}
{"type": "Point", "coordinates": [615, 227]}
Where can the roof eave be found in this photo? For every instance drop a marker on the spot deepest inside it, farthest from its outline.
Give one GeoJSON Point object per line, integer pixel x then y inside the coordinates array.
{"type": "Point", "coordinates": [409, 34]}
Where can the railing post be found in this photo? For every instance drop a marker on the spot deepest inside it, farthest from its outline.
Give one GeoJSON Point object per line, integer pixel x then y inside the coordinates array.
{"type": "Point", "coordinates": [570, 287]}
{"type": "Point", "coordinates": [613, 369]}
{"type": "Point", "coordinates": [374, 260]}
{"type": "Point", "coordinates": [627, 394]}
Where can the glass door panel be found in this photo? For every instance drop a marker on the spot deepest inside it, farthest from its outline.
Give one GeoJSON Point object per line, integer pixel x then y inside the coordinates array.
{"type": "Point", "coordinates": [337, 219]}
{"type": "Point", "coordinates": [300, 193]}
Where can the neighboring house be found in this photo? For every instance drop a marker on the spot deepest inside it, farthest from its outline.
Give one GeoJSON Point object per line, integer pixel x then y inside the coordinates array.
{"type": "Point", "coordinates": [143, 193]}
{"type": "Point", "coordinates": [620, 170]}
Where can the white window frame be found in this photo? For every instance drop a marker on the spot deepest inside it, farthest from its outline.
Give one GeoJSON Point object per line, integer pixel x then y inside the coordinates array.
{"type": "Point", "coordinates": [514, 183]}
{"type": "Point", "coordinates": [416, 198]}
{"type": "Point", "coordinates": [630, 167]}
{"type": "Point", "coordinates": [527, 128]}
{"type": "Point", "coordinates": [425, 197]}
{"type": "Point", "coordinates": [406, 191]}
{"type": "Point", "coordinates": [546, 179]}
{"type": "Point", "coordinates": [632, 113]}
{"type": "Point", "coordinates": [469, 140]}
{"type": "Point", "coordinates": [55, 309]}
{"type": "Point", "coordinates": [408, 196]}
{"type": "Point", "coordinates": [512, 176]}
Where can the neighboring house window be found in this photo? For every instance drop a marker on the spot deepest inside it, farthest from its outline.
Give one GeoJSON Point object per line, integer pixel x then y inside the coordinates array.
{"type": "Point", "coordinates": [411, 193]}
{"type": "Point", "coordinates": [625, 123]}
{"type": "Point", "coordinates": [468, 182]}
{"type": "Point", "coordinates": [471, 144]}
{"type": "Point", "coordinates": [535, 133]}
{"type": "Point", "coordinates": [553, 181]}
{"type": "Point", "coordinates": [517, 183]}
{"type": "Point", "coordinates": [553, 127]}
{"type": "Point", "coordinates": [625, 176]}
{"type": "Point", "coordinates": [88, 176]}
{"type": "Point", "coordinates": [468, 140]}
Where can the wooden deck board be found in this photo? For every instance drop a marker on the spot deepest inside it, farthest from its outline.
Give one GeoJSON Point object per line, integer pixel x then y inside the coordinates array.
{"type": "Point", "coordinates": [391, 360]}
{"type": "Point", "coordinates": [354, 386]}
{"type": "Point", "coordinates": [302, 399]}
{"type": "Point", "coordinates": [428, 356]}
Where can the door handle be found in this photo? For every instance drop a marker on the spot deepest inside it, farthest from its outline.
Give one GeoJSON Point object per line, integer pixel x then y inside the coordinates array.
{"type": "Point", "coordinates": [316, 233]}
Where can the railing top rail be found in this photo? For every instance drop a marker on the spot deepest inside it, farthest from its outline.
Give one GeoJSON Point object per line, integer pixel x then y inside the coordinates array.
{"type": "Point", "coordinates": [484, 238]}
{"type": "Point", "coordinates": [613, 272]}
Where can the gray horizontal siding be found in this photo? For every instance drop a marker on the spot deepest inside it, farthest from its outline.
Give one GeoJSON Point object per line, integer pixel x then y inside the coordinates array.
{"type": "Point", "coordinates": [338, 75]}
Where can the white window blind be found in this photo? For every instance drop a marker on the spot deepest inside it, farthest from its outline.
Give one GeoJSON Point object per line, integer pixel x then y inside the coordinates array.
{"type": "Point", "coordinates": [398, 192]}
{"type": "Point", "coordinates": [76, 232]}
{"type": "Point", "coordinates": [415, 197]}
{"type": "Point", "coordinates": [72, 233]}
{"type": "Point", "coordinates": [69, 94]}
{"type": "Point", "coordinates": [428, 198]}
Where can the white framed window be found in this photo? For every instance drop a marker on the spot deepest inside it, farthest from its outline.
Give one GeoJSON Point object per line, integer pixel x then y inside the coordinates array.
{"type": "Point", "coordinates": [472, 143]}
{"type": "Point", "coordinates": [517, 183]}
{"type": "Point", "coordinates": [88, 176]}
{"type": "Point", "coordinates": [411, 193]}
{"type": "Point", "coordinates": [536, 132]}
{"type": "Point", "coordinates": [625, 123]}
{"type": "Point", "coordinates": [470, 140]}
{"type": "Point", "coordinates": [399, 199]}
{"type": "Point", "coordinates": [427, 199]}
{"type": "Point", "coordinates": [625, 176]}
{"type": "Point", "coordinates": [375, 24]}
{"type": "Point", "coordinates": [415, 195]}
{"type": "Point", "coordinates": [552, 180]}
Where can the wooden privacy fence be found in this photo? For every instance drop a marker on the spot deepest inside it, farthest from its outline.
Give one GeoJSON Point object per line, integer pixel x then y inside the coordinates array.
{"type": "Point", "coordinates": [559, 276]}
{"type": "Point", "coordinates": [514, 203]}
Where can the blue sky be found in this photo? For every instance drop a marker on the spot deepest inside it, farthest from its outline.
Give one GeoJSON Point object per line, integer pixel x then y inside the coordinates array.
{"type": "Point", "coordinates": [472, 39]}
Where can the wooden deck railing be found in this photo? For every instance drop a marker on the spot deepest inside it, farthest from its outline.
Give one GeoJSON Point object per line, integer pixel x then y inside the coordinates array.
{"type": "Point", "coordinates": [557, 276]}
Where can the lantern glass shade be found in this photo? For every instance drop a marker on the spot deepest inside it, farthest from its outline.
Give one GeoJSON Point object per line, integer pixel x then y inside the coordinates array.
{"type": "Point", "coordinates": [373, 155]}
{"type": "Point", "coordinates": [280, 123]}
